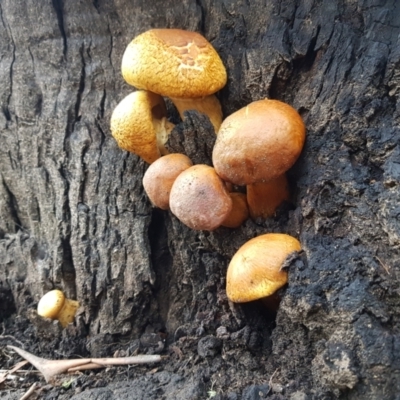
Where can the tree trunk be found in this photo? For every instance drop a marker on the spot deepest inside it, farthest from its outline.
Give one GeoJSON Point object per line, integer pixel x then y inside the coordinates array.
{"type": "Point", "coordinates": [73, 213]}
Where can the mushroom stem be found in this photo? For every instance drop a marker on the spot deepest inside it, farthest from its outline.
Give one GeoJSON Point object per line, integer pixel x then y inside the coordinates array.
{"type": "Point", "coordinates": [264, 198]}
{"type": "Point", "coordinates": [239, 212]}
{"type": "Point", "coordinates": [271, 303]}
{"type": "Point", "coordinates": [208, 105]}
{"type": "Point", "coordinates": [51, 368]}
{"type": "Point", "coordinates": [68, 311]}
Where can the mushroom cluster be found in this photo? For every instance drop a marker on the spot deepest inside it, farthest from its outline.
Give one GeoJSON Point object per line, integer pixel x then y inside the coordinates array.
{"type": "Point", "coordinates": [254, 148]}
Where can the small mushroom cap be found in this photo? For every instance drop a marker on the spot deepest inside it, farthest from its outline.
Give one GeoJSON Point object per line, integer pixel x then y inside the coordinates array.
{"type": "Point", "coordinates": [173, 62]}
{"type": "Point", "coordinates": [51, 304]}
{"type": "Point", "coordinates": [134, 124]}
{"type": "Point", "coordinates": [259, 142]}
{"type": "Point", "coordinates": [160, 176]}
{"type": "Point", "coordinates": [199, 198]}
{"type": "Point", "coordinates": [255, 271]}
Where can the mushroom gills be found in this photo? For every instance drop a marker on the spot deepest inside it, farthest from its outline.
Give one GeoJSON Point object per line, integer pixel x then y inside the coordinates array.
{"type": "Point", "coordinates": [162, 128]}
{"type": "Point", "coordinates": [208, 105]}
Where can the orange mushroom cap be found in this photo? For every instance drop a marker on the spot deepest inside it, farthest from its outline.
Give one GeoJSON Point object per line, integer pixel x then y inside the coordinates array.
{"type": "Point", "coordinates": [179, 64]}
{"type": "Point", "coordinates": [139, 125]}
{"type": "Point", "coordinates": [255, 271]}
{"type": "Point", "coordinates": [259, 142]}
{"type": "Point", "coordinates": [174, 63]}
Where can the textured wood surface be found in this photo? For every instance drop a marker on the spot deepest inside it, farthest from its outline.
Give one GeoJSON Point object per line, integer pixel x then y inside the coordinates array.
{"type": "Point", "coordinates": [73, 214]}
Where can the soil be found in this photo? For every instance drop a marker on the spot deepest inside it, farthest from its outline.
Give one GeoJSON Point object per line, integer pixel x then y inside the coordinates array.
{"type": "Point", "coordinates": [73, 214]}
{"type": "Point", "coordinates": [219, 353]}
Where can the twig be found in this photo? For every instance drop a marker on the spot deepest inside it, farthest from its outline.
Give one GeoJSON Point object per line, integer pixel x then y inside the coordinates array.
{"type": "Point", "coordinates": [141, 359]}
{"type": "Point", "coordinates": [12, 338]}
{"type": "Point", "coordinates": [270, 380]}
{"type": "Point", "coordinates": [29, 392]}
{"type": "Point", "coordinates": [384, 266]}
{"type": "Point", "coordinates": [185, 363]}
{"type": "Point", "coordinates": [16, 367]}
{"type": "Point", "coordinates": [48, 368]}
{"type": "Point", "coordinates": [85, 367]}
{"type": "Point", "coordinates": [21, 371]}
{"type": "Point", "coordinates": [51, 368]}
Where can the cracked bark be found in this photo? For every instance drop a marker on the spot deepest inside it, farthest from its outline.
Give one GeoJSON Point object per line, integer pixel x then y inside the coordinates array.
{"type": "Point", "coordinates": [73, 213]}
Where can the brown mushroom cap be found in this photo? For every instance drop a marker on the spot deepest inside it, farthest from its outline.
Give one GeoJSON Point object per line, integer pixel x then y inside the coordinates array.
{"type": "Point", "coordinates": [259, 142]}
{"type": "Point", "coordinates": [139, 125]}
{"type": "Point", "coordinates": [174, 63]}
{"type": "Point", "coordinates": [199, 198]}
{"type": "Point", "coordinates": [160, 176]}
{"type": "Point", "coordinates": [255, 271]}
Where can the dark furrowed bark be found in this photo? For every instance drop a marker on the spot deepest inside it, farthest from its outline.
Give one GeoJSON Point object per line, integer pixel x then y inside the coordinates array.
{"type": "Point", "coordinates": [73, 213]}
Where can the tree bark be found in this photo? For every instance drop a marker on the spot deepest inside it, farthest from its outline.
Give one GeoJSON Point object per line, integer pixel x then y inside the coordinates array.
{"type": "Point", "coordinates": [73, 213]}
